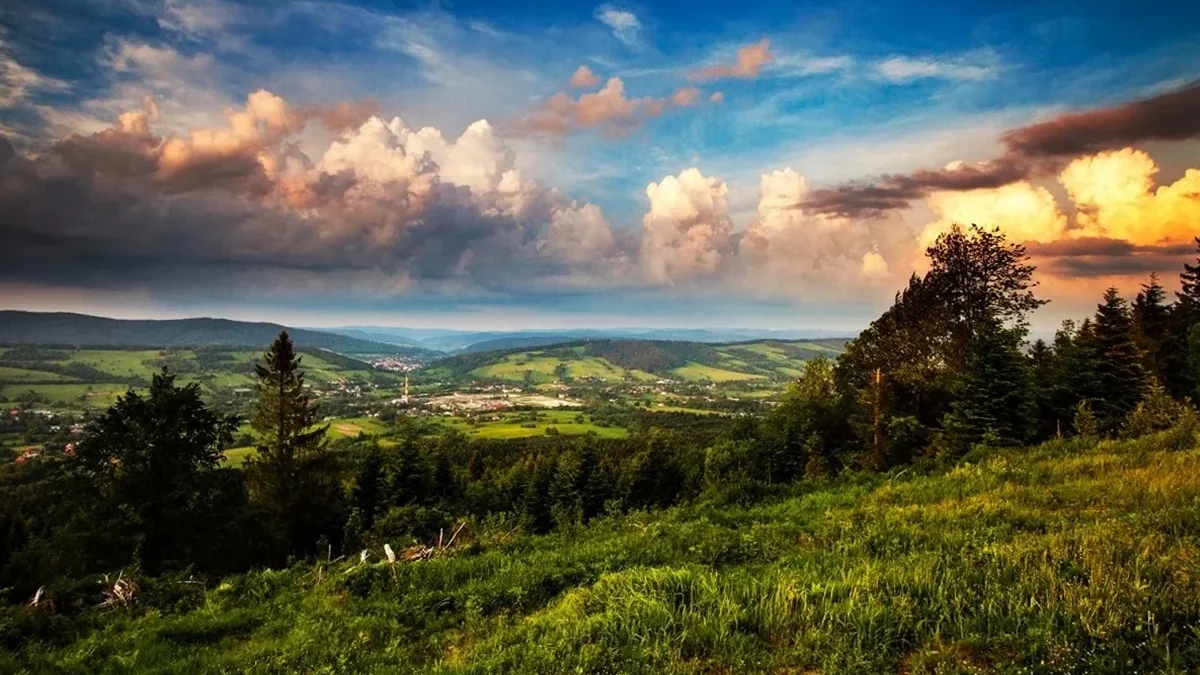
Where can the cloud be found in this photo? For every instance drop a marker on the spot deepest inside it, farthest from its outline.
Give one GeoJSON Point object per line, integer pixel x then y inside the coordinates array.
{"type": "Point", "coordinates": [716, 98]}
{"type": "Point", "coordinates": [686, 96]}
{"type": "Point", "coordinates": [608, 109]}
{"type": "Point", "coordinates": [1171, 116]}
{"type": "Point", "coordinates": [584, 78]}
{"type": "Point", "coordinates": [624, 24]}
{"type": "Point", "coordinates": [1117, 223]}
{"type": "Point", "coordinates": [804, 66]}
{"type": "Point", "coordinates": [788, 251]}
{"type": "Point", "coordinates": [1114, 197]}
{"type": "Point", "coordinates": [344, 115]}
{"type": "Point", "coordinates": [1033, 150]}
{"type": "Point", "coordinates": [747, 64]}
{"type": "Point", "coordinates": [902, 69]}
{"type": "Point", "coordinates": [385, 207]}
{"type": "Point", "coordinates": [686, 232]}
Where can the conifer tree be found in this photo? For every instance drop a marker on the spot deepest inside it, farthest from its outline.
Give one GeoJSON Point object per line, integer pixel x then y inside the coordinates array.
{"type": "Point", "coordinates": [1189, 283]}
{"type": "Point", "coordinates": [1043, 367]}
{"type": "Point", "coordinates": [1180, 378]}
{"type": "Point", "coordinates": [292, 474]}
{"type": "Point", "coordinates": [1151, 320]}
{"type": "Point", "coordinates": [1120, 376]}
{"type": "Point", "coordinates": [993, 401]}
{"type": "Point", "coordinates": [368, 487]}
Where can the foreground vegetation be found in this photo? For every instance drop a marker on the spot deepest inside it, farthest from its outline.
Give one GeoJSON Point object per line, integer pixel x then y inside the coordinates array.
{"type": "Point", "coordinates": [1075, 556]}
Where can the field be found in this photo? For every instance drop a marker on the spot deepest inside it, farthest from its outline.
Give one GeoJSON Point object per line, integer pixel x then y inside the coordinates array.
{"type": "Point", "coordinates": [1066, 558]}
{"type": "Point", "coordinates": [694, 372]}
{"type": "Point", "coordinates": [640, 361]}
{"type": "Point", "coordinates": [512, 427]}
{"type": "Point", "coordinates": [513, 367]}
{"type": "Point", "coordinates": [107, 373]}
{"type": "Point", "coordinates": [76, 395]}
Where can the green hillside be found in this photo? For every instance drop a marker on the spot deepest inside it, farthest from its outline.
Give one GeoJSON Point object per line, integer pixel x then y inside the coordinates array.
{"type": "Point", "coordinates": [1069, 557]}
{"type": "Point", "coordinates": [80, 330]}
{"type": "Point", "coordinates": [639, 360]}
{"type": "Point", "coordinates": [95, 377]}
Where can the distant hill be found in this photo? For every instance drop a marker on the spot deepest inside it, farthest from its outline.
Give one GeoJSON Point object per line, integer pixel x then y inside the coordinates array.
{"type": "Point", "coordinates": [465, 342]}
{"type": "Point", "coordinates": [81, 330]}
{"type": "Point", "coordinates": [637, 359]}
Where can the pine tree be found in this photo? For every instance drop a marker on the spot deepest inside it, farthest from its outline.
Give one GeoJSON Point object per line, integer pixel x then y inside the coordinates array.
{"type": "Point", "coordinates": [409, 473]}
{"type": "Point", "coordinates": [290, 477]}
{"type": "Point", "coordinates": [368, 487]}
{"type": "Point", "coordinates": [1120, 376]}
{"type": "Point", "coordinates": [994, 400]}
{"type": "Point", "coordinates": [1043, 367]}
{"type": "Point", "coordinates": [1185, 315]}
{"type": "Point", "coordinates": [1189, 282]}
{"type": "Point", "coordinates": [1151, 320]}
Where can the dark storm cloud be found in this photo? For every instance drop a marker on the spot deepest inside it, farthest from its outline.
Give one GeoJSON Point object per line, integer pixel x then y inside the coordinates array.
{"type": "Point", "coordinates": [1102, 257]}
{"type": "Point", "coordinates": [1032, 150]}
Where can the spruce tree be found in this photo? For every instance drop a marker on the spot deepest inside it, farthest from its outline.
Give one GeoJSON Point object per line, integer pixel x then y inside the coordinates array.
{"type": "Point", "coordinates": [993, 400]}
{"type": "Point", "coordinates": [1043, 367]}
{"type": "Point", "coordinates": [1120, 376]}
{"type": "Point", "coordinates": [1151, 320]}
{"type": "Point", "coordinates": [368, 487]}
{"type": "Point", "coordinates": [1189, 283]}
{"type": "Point", "coordinates": [286, 478]}
{"type": "Point", "coordinates": [1185, 315]}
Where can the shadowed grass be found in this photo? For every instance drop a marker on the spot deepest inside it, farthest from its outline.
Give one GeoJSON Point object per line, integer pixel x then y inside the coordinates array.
{"type": "Point", "coordinates": [1065, 558]}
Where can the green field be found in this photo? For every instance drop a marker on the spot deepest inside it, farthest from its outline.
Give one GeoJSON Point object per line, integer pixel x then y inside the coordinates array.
{"type": "Point", "coordinates": [1067, 558]}
{"type": "Point", "coordinates": [17, 375]}
{"type": "Point", "coordinates": [695, 372]}
{"type": "Point", "coordinates": [509, 427]}
{"type": "Point", "coordinates": [94, 395]}
{"type": "Point", "coordinates": [514, 366]}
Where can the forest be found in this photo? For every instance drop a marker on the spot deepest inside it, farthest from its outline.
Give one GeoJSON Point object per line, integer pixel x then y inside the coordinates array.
{"type": "Point", "coordinates": [944, 496]}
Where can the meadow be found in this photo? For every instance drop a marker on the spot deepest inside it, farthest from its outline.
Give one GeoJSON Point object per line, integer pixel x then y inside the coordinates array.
{"type": "Point", "coordinates": [1070, 557]}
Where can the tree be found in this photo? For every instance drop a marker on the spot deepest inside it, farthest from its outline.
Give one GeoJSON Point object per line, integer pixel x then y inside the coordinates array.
{"type": "Point", "coordinates": [366, 494]}
{"type": "Point", "coordinates": [1181, 380]}
{"type": "Point", "coordinates": [993, 401]}
{"type": "Point", "coordinates": [293, 477]}
{"type": "Point", "coordinates": [979, 279]}
{"type": "Point", "coordinates": [917, 350]}
{"type": "Point", "coordinates": [150, 457]}
{"type": "Point", "coordinates": [1151, 320]}
{"type": "Point", "coordinates": [1120, 376]}
{"type": "Point", "coordinates": [1189, 283]}
{"type": "Point", "coordinates": [1043, 372]}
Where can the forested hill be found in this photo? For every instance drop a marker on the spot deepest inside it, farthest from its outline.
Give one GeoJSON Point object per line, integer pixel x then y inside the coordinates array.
{"type": "Point", "coordinates": [81, 330]}
{"type": "Point", "coordinates": [639, 359]}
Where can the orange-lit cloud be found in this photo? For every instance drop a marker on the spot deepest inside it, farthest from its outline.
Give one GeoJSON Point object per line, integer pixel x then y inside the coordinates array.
{"type": "Point", "coordinates": [609, 109]}
{"type": "Point", "coordinates": [1115, 225]}
{"type": "Point", "coordinates": [748, 63]}
{"type": "Point", "coordinates": [584, 78]}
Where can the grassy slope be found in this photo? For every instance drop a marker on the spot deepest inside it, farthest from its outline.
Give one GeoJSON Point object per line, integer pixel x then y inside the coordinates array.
{"type": "Point", "coordinates": [563, 420]}
{"type": "Point", "coordinates": [136, 363]}
{"type": "Point", "coordinates": [721, 363]}
{"type": "Point", "coordinates": [513, 366]}
{"type": "Point", "coordinates": [1053, 560]}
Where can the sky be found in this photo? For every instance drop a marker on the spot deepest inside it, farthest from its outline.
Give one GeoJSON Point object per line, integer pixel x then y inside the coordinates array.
{"type": "Point", "coordinates": [505, 165]}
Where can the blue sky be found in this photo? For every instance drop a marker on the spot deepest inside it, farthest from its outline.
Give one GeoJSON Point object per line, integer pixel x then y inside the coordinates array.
{"type": "Point", "coordinates": [546, 215]}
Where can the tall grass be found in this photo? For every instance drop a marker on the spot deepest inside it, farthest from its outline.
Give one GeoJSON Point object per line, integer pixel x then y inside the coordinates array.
{"type": "Point", "coordinates": [1072, 557]}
